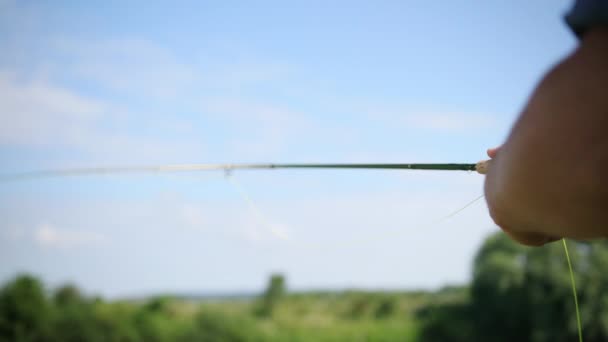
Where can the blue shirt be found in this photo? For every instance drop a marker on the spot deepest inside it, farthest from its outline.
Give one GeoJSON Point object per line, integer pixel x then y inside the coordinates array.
{"type": "Point", "coordinates": [586, 14]}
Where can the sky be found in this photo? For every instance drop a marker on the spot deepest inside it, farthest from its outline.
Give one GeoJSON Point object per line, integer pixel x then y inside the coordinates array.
{"type": "Point", "coordinates": [113, 83]}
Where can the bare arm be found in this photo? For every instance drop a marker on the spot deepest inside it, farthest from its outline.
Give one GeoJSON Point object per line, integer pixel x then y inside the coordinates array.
{"type": "Point", "coordinates": [550, 178]}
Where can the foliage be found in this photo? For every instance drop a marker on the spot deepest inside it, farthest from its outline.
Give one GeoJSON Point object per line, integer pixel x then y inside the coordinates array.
{"type": "Point", "coordinates": [24, 310]}
{"type": "Point", "coordinates": [525, 294]}
{"type": "Point", "coordinates": [29, 313]}
{"type": "Point", "coordinates": [447, 316]}
{"type": "Point", "coordinates": [516, 294]}
{"type": "Point", "coordinates": [218, 326]}
{"type": "Point", "coordinates": [272, 295]}
{"type": "Point", "coordinates": [386, 308]}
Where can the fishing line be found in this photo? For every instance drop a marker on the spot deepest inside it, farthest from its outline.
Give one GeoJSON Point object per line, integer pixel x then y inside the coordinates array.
{"type": "Point", "coordinates": [345, 243]}
{"type": "Point", "coordinates": [262, 219]}
{"type": "Point", "coordinates": [578, 313]}
{"type": "Point", "coordinates": [353, 243]}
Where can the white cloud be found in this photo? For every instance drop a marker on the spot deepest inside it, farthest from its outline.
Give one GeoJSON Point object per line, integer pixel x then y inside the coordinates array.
{"type": "Point", "coordinates": [128, 66]}
{"type": "Point", "coordinates": [38, 113]}
{"type": "Point", "coordinates": [428, 117]}
{"type": "Point", "coordinates": [144, 68]}
{"type": "Point", "coordinates": [276, 122]}
{"type": "Point", "coordinates": [236, 75]}
{"type": "Point", "coordinates": [49, 236]}
{"type": "Point", "coordinates": [451, 122]}
{"type": "Point", "coordinates": [280, 231]}
{"type": "Point", "coordinates": [258, 231]}
{"type": "Point", "coordinates": [34, 112]}
{"type": "Point", "coordinates": [260, 129]}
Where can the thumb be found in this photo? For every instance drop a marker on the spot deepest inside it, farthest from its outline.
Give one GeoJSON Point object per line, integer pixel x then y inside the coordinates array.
{"type": "Point", "coordinates": [530, 239]}
{"type": "Point", "coordinates": [492, 152]}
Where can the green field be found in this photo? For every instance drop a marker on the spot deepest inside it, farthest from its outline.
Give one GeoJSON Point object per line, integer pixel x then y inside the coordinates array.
{"type": "Point", "coordinates": [312, 316]}
{"type": "Point", "coordinates": [516, 294]}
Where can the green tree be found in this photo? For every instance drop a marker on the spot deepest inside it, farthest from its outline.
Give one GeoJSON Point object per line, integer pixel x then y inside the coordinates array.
{"type": "Point", "coordinates": [24, 310]}
{"type": "Point", "coordinates": [548, 293]}
{"type": "Point", "coordinates": [77, 318]}
{"type": "Point", "coordinates": [499, 308]}
{"type": "Point", "coordinates": [525, 294]}
{"type": "Point", "coordinates": [521, 293]}
{"type": "Point", "coordinates": [157, 321]}
{"type": "Point", "coordinates": [217, 326]}
{"type": "Point", "coordinates": [593, 289]}
{"type": "Point", "coordinates": [68, 295]}
{"type": "Point", "coordinates": [447, 317]}
{"type": "Point", "coordinates": [73, 319]}
{"type": "Point", "coordinates": [386, 307]}
{"type": "Point", "coordinates": [446, 322]}
{"type": "Point", "coordinates": [274, 292]}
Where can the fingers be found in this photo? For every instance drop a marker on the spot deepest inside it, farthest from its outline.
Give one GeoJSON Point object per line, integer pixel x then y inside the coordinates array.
{"type": "Point", "coordinates": [518, 231]}
{"type": "Point", "coordinates": [530, 239]}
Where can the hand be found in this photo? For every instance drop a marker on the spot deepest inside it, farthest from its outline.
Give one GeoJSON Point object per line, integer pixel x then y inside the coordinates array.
{"type": "Point", "coordinates": [549, 179]}
{"type": "Point", "coordinates": [525, 238]}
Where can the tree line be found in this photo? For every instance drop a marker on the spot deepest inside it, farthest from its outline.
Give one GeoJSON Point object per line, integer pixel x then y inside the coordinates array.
{"type": "Point", "coordinates": [516, 294]}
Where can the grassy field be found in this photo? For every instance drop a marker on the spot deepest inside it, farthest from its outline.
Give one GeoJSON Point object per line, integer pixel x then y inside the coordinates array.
{"type": "Point", "coordinates": [352, 316]}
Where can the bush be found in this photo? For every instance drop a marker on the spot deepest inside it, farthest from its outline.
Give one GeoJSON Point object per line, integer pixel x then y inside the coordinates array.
{"type": "Point", "coordinates": [217, 326]}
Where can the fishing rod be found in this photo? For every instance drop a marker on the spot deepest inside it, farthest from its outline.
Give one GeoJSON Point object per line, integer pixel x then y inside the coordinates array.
{"type": "Point", "coordinates": [481, 167]}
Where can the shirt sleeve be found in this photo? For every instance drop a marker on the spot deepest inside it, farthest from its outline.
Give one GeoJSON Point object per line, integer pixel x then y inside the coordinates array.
{"type": "Point", "coordinates": [586, 14]}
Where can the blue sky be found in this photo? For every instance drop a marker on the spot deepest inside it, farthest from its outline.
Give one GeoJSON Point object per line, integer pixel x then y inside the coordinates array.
{"type": "Point", "coordinates": [130, 83]}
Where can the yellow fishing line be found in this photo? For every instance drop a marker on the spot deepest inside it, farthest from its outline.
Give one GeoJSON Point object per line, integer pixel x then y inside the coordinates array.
{"type": "Point", "coordinates": [578, 313]}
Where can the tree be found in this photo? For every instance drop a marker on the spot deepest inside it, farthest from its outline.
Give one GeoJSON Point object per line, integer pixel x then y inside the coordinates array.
{"type": "Point", "coordinates": [24, 310]}
{"type": "Point", "coordinates": [68, 295]}
{"type": "Point", "coordinates": [157, 320]}
{"type": "Point", "coordinates": [272, 295]}
{"type": "Point", "coordinates": [521, 293]}
{"type": "Point", "coordinates": [525, 294]}
{"type": "Point", "coordinates": [593, 289]}
{"type": "Point", "coordinates": [217, 326]}
{"type": "Point", "coordinates": [498, 305]}
{"type": "Point", "coordinates": [386, 307]}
